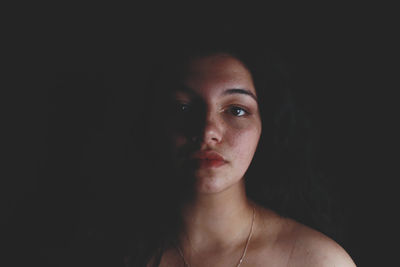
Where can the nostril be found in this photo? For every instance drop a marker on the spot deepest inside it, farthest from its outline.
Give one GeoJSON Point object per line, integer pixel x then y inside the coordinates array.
{"type": "Point", "coordinates": [215, 139]}
{"type": "Point", "coordinates": [212, 133]}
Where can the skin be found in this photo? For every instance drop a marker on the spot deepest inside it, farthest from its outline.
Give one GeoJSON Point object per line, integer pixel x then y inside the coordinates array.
{"type": "Point", "coordinates": [218, 217]}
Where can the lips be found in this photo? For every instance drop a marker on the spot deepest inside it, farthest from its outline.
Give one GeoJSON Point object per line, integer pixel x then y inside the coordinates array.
{"type": "Point", "coordinates": [208, 159]}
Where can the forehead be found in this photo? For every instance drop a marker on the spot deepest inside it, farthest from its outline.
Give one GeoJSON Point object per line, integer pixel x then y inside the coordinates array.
{"type": "Point", "coordinates": [217, 72]}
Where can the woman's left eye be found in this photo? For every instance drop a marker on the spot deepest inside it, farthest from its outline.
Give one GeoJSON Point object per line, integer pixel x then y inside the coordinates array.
{"type": "Point", "coordinates": [238, 111]}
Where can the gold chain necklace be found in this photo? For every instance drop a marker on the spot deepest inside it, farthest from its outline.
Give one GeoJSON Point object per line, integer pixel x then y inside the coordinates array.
{"type": "Point", "coordinates": [244, 251]}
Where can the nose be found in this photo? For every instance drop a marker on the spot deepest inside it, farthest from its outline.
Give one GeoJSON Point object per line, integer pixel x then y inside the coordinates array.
{"type": "Point", "coordinates": [212, 131]}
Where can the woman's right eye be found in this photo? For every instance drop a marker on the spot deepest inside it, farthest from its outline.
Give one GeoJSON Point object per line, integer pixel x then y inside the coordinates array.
{"type": "Point", "coordinates": [183, 107]}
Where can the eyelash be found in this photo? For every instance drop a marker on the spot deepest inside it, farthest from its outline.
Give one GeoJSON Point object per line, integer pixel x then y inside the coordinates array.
{"type": "Point", "coordinates": [186, 107]}
{"type": "Point", "coordinates": [183, 107]}
{"type": "Point", "coordinates": [232, 110]}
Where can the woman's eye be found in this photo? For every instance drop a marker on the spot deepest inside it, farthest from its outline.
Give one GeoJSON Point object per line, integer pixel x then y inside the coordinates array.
{"type": "Point", "coordinates": [183, 107]}
{"type": "Point", "coordinates": [238, 111]}
{"type": "Point", "coordinates": [180, 108]}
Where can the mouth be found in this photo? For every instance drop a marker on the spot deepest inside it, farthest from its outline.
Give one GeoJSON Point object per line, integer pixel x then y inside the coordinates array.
{"type": "Point", "coordinates": [208, 159]}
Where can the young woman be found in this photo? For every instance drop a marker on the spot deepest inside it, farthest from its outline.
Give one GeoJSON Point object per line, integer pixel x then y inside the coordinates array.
{"type": "Point", "coordinates": [213, 108]}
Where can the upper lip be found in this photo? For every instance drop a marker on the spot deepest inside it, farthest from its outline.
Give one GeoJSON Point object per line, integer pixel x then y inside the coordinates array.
{"type": "Point", "coordinates": [207, 154]}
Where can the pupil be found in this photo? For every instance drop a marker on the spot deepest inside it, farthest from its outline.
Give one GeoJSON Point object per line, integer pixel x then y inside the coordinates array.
{"type": "Point", "coordinates": [237, 111]}
{"type": "Point", "coordinates": [184, 107]}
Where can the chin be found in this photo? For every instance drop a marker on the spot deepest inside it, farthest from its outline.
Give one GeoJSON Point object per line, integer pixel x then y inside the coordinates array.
{"type": "Point", "coordinates": [212, 184]}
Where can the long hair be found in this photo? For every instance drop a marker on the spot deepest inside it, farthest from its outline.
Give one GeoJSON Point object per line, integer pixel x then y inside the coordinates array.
{"type": "Point", "coordinates": [282, 175]}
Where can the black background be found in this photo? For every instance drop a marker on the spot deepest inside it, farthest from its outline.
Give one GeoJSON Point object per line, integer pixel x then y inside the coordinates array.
{"type": "Point", "coordinates": [74, 126]}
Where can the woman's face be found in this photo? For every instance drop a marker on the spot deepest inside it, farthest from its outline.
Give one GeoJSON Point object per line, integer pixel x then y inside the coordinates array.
{"type": "Point", "coordinates": [215, 125]}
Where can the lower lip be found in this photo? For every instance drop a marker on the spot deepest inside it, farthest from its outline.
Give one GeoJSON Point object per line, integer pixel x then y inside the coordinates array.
{"type": "Point", "coordinates": [212, 163]}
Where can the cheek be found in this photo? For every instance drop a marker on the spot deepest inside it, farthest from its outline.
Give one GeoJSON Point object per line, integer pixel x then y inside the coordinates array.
{"type": "Point", "coordinates": [177, 140]}
{"type": "Point", "coordinates": [173, 141]}
{"type": "Point", "coordinates": [174, 136]}
{"type": "Point", "coordinates": [244, 142]}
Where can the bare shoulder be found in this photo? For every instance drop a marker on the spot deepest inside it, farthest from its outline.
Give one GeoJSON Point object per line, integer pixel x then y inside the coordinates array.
{"type": "Point", "coordinates": [312, 248]}
{"type": "Point", "coordinates": [285, 242]}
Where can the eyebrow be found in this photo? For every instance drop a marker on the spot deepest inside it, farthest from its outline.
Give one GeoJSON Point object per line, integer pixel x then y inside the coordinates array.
{"type": "Point", "coordinates": [240, 91]}
{"type": "Point", "coordinates": [226, 92]}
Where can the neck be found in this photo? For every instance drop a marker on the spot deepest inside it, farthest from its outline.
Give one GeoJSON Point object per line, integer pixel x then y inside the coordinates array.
{"type": "Point", "coordinates": [217, 220]}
